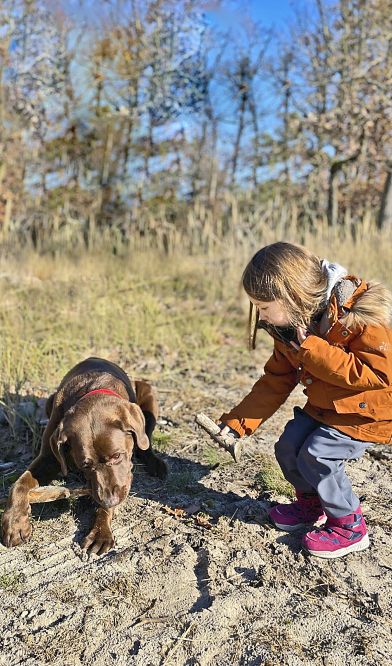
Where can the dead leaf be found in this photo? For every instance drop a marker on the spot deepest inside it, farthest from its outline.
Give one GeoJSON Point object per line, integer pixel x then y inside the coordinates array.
{"type": "Point", "coordinates": [203, 522]}
{"type": "Point", "coordinates": [177, 512]}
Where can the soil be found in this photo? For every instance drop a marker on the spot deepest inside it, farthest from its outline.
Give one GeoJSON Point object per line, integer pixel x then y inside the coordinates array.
{"type": "Point", "coordinates": [198, 576]}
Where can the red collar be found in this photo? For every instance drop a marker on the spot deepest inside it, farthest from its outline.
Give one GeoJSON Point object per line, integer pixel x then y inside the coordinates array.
{"type": "Point", "coordinates": [102, 391]}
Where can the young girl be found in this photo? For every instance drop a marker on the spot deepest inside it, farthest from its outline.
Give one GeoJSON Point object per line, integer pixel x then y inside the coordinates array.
{"type": "Point", "coordinates": [330, 333]}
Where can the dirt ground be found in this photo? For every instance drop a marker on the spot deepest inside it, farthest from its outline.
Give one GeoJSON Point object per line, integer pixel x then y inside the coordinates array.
{"type": "Point", "coordinates": [197, 575]}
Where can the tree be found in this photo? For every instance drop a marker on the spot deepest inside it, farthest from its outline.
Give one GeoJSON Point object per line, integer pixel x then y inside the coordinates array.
{"type": "Point", "coordinates": [243, 74]}
{"type": "Point", "coordinates": [340, 113]}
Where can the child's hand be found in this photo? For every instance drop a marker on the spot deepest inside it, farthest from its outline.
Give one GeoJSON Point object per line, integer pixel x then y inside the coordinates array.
{"type": "Point", "coordinates": [302, 334]}
{"type": "Point", "coordinates": [226, 431]}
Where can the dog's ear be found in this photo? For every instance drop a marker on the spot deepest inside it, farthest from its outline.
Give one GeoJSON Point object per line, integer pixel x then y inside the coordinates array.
{"type": "Point", "coordinates": [136, 424]}
{"type": "Point", "coordinates": [56, 441]}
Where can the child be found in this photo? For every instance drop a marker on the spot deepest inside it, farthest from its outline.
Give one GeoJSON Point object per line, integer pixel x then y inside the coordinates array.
{"type": "Point", "coordinates": [330, 333]}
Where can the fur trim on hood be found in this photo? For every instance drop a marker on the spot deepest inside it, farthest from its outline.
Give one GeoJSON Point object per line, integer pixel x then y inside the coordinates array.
{"type": "Point", "coordinates": [373, 306]}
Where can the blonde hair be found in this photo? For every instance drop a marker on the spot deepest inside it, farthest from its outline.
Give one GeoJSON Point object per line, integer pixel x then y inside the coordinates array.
{"type": "Point", "coordinates": [290, 274]}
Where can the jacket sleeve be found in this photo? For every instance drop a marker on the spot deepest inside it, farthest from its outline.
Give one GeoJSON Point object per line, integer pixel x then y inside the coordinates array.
{"type": "Point", "coordinates": [266, 396]}
{"type": "Point", "coordinates": [366, 365]}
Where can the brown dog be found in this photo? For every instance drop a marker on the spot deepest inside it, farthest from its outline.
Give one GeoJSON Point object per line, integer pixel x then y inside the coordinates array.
{"type": "Point", "coordinates": [95, 417]}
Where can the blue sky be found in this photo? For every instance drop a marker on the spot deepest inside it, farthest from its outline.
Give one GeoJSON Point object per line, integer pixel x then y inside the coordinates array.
{"type": "Point", "coordinates": [269, 12]}
{"type": "Point", "coordinates": [272, 11]}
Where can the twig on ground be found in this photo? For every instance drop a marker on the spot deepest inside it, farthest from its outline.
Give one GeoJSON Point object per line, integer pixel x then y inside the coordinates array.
{"type": "Point", "coordinates": [185, 448]}
{"type": "Point", "coordinates": [232, 518]}
{"type": "Point", "coordinates": [137, 619]}
{"type": "Point", "coordinates": [178, 643]}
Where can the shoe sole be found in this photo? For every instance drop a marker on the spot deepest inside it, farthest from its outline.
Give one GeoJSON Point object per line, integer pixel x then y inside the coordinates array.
{"type": "Point", "coordinates": [294, 528]}
{"type": "Point", "coordinates": [330, 555]}
{"type": "Point", "coordinates": [287, 528]}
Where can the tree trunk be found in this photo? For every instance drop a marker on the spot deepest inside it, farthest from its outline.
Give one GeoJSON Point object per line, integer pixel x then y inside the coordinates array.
{"type": "Point", "coordinates": [196, 177]}
{"type": "Point", "coordinates": [333, 180]}
{"type": "Point", "coordinates": [105, 168]}
{"type": "Point", "coordinates": [214, 163]}
{"type": "Point", "coordinates": [127, 148]}
{"type": "Point", "coordinates": [149, 147]}
{"type": "Point", "coordinates": [243, 90]}
{"type": "Point", "coordinates": [384, 220]}
{"type": "Point", "coordinates": [255, 160]}
{"type": "Point", "coordinates": [241, 125]}
{"type": "Point", "coordinates": [287, 95]}
{"type": "Point", "coordinates": [2, 56]}
{"type": "Point", "coordinates": [333, 207]}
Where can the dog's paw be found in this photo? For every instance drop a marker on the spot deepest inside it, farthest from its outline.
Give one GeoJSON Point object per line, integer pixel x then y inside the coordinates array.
{"type": "Point", "coordinates": [98, 541]}
{"type": "Point", "coordinates": [15, 527]}
{"type": "Point", "coordinates": [154, 464]}
{"type": "Point", "coordinates": [159, 467]}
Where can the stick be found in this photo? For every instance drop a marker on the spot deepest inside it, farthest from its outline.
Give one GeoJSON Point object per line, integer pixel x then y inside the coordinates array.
{"type": "Point", "coordinates": [52, 493]}
{"type": "Point", "coordinates": [139, 619]}
{"type": "Point", "coordinates": [233, 446]}
{"type": "Point", "coordinates": [178, 643]}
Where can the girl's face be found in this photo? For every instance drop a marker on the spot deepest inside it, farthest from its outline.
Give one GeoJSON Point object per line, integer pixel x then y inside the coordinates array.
{"type": "Point", "coordinates": [273, 312]}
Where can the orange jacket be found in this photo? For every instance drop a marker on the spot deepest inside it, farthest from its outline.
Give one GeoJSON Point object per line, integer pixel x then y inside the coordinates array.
{"type": "Point", "coordinates": [346, 370]}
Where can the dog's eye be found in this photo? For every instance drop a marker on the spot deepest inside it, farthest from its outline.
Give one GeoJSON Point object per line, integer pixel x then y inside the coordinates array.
{"type": "Point", "coordinates": [86, 465]}
{"type": "Point", "coordinates": [116, 456]}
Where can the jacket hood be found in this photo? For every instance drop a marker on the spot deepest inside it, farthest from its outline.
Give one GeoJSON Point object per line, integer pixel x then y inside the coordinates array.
{"type": "Point", "coordinates": [370, 304]}
{"type": "Point", "coordinates": [360, 303]}
{"type": "Point", "coordinates": [334, 272]}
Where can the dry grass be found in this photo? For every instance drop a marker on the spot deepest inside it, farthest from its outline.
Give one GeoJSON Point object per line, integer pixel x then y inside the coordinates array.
{"type": "Point", "coordinates": [56, 310]}
{"type": "Point", "coordinates": [270, 478]}
{"type": "Point", "coordinates": [204, 226]}
{"type": "Point", "coordinates": [175, 319]}
{"type": "Point", "coordinates": [12, 582]}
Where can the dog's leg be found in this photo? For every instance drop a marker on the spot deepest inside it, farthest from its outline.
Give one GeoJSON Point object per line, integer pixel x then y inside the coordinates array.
{"type": "Point", "coordinates": [101, 538]}
{"type": "Point", "coordinates": [15, 524]}
{"type": "Point", "coordinates": [49, 405]}
{"type": "Point", "coordinates": [148, 403]}
{"type": "Point", "coordinates": [154, 464]}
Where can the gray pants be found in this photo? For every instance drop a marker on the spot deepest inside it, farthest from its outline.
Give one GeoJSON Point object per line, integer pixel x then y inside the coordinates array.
{"type": "Point", "coordinates": [311, 456]}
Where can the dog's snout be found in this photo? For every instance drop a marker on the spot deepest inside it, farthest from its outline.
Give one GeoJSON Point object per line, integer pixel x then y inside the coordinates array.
{"type": "Point", "coordinates": [107, 488]}
{"type": "Point", "coordinates": [109, 498]}
{"type": "Point", "coordinates": [111, 501]}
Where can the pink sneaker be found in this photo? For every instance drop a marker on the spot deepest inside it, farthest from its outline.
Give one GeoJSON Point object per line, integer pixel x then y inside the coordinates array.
{"type": "Point", "coordinates": [290, 517]}
{"type": "Point", "coordinates": [338, 537]}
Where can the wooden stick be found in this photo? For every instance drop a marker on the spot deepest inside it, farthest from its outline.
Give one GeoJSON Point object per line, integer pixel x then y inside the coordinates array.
{"type": "Point", "coordinates": [178, 643]}
{"type": "Point", "coordinates": [233, 446]}
{"type": "Point", "coordinates": [52, 493]}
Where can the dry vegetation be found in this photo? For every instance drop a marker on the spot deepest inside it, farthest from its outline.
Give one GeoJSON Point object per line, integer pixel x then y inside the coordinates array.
{"type": "Point", "coordinates": [180, 297]}
{"type": "Point", "coordinates": [214, 584]}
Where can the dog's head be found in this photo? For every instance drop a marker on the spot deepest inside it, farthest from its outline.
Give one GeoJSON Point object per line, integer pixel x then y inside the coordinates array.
{"type": "Point", "coordinates": [100, 432]}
